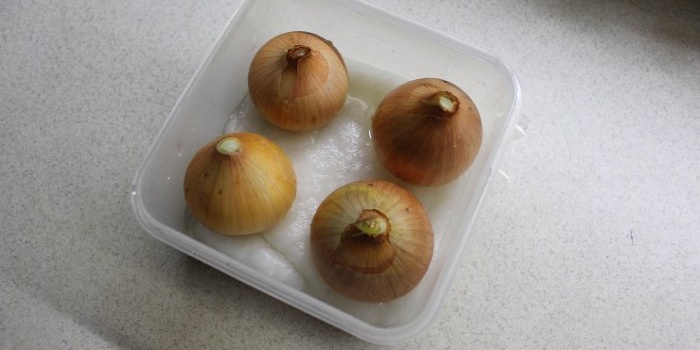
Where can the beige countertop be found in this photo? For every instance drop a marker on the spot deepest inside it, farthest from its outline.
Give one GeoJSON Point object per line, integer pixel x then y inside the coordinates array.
{"type": "Point", "coordinates": [589, 237]}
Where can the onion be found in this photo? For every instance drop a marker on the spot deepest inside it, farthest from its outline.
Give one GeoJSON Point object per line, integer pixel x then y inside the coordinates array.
{"type": "Point", "coordinates": [240, 183]}
{"type": "Point", "coordinates": [298, 81]}
{"type": "Point", "coordinates": [426, 132]}
{"type": "Point", "coordinates": [371, 240]}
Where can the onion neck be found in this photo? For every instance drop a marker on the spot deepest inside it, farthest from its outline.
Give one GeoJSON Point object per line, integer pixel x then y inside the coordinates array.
{"type": "Point", "coordinates": [296, 53]}
{"type": "Point", "coordinates": [372, 223]}
{"type": "Point", "coordinates": [228, 145]}
{"type": "Point", "coordinates": [445, 101]}
{"type": "Point", "coordinates": [364, 246]}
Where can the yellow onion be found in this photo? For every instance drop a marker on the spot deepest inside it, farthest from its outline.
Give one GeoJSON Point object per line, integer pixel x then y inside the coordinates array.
{"type": "Point", "coordinates": [426, 132]}
{"type": "Point", "coordinates": [240, 183]}
{"type": "Point", "coordinates": [298, 81]}
{"type": "Point", "coordinates": [371, 240]}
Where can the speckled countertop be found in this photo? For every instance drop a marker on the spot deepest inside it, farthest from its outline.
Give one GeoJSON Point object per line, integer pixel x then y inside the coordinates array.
{"type": "Point", "coordinates": [588, 239]}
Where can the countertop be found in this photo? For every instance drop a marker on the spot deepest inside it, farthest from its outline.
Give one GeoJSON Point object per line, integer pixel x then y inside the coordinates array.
{"type": "Point", "coordinates": [589, 237]}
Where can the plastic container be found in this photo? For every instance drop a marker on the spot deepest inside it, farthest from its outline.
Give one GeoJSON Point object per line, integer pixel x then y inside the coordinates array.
{"type": "Point", "coordinates": [382, 50]}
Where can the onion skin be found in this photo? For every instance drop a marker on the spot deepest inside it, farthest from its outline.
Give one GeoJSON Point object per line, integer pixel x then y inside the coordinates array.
{"type": "Point", "coordinates": [424, 139]}
{"type": "Point", "coordinates": [247, 191]}
{"type": "Point", "coordinates": [380, 266]}
{"type": "Point", "coordinates": [298, 81]}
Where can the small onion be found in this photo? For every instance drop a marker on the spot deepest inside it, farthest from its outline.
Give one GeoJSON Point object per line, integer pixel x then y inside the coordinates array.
{"type": "Point", "coordinates": [298, 81]}
{"type": "Point", "coordinates": [371, 240]}
{"type": "Point", "coordinates": [240, 183]}
{"type": "Point", "coordinates": [426, 132]}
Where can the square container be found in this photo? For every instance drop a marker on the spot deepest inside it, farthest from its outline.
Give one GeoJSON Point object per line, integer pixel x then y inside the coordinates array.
{"type": "Point", "coordinates": [370, 40]}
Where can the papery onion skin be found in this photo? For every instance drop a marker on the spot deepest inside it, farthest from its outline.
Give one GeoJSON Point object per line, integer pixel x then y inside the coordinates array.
{"type": "Point", "coordinates": [245, 192]}
{"type": "Point", "coordinates": [421, 143]}
{"type": "Point", "coordinates": [372, 269]}
{"type": "Point", "coordinates": [298, 90]}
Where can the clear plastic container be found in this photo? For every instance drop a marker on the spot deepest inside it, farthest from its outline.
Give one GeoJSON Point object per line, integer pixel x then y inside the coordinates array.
{"type": "Point", "coordinates": [382, 51]}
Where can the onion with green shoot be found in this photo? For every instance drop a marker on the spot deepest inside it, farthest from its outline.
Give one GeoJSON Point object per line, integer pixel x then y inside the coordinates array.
{"type": "Point", "coordinates": [371, 240]}
{"type": "Point", "coordinates": [427, 132]}
{"type": "Point", "coordinates": [239, 184]}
